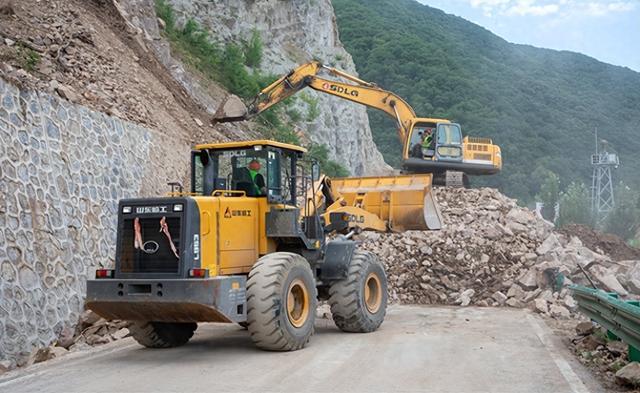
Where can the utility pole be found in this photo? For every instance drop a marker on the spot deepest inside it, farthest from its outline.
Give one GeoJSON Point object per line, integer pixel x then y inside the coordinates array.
{"type": "Point", "coordinates": [602, 197]}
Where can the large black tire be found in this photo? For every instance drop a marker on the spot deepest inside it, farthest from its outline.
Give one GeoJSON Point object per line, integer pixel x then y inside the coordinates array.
{"type": "Point", "coordinates": [162, 334]}
{"type": "Point", "coordinates": [276, 282]}
{"type": "Point", "coordinates": [359, 302]}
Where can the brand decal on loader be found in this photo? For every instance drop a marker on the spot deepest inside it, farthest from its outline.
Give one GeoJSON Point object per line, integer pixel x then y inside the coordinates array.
{"type": "Point", "coordinates": [340, 89]}
{"type": "Point", "coordinates": [234, 153]}
{"type": "Point", "coordinates": [151, 209]}
{"type": "Point", "coordinates": [356, 219]}
{"type": "Point", "coordinates": [228, 213]}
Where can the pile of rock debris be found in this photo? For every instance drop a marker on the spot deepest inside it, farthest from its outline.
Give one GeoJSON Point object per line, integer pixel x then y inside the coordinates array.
{"type": "Point", "coordinates": [91, 330]}
{"type": "Point", "coordinates": [493, 252]}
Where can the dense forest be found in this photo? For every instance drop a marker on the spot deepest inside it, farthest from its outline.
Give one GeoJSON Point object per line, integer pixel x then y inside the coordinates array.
{"type": "Point", "coordinates": [541, 106]}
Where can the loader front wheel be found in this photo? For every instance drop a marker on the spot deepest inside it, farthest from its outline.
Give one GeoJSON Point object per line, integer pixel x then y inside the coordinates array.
{"type": "Point", "coordinates": [281, 302]}
{"type": "Point", "coordinates": [162, 334]}
{"type": "Point", "coordinates": [359, 301]}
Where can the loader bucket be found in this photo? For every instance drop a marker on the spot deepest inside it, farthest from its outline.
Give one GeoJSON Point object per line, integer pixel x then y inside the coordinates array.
{"type": "Point", "coordinates": [404, 202]}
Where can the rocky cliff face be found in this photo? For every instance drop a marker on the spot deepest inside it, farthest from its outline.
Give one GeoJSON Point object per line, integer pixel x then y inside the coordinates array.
{"type": "Point", "coordinates": [295, 32]}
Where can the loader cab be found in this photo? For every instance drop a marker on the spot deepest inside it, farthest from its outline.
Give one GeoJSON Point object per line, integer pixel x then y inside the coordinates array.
{"type": "Point", "coordinates": [258, 169]}
{"type": "Point", "coordinates": [446, 141]}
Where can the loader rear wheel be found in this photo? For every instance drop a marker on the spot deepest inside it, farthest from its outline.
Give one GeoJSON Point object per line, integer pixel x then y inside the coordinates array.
{"type": "Point", "coordinates": [359, 302]}
{"type": "Point", "coordinates": [162, 334]}
{"type": "Point", "coordinates": [281, 302]}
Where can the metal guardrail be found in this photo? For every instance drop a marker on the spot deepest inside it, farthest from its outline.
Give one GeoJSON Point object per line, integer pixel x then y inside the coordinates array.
{"type": "Point", "coordinates": [620, 318]}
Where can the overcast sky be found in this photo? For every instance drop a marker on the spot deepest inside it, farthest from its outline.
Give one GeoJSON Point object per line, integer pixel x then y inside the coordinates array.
{"type": "Point", "coordinates": [608, 30]}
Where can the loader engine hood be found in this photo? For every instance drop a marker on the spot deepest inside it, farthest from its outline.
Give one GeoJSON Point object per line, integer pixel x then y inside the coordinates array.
{"type": "Point", "coordinates": [157, 237]}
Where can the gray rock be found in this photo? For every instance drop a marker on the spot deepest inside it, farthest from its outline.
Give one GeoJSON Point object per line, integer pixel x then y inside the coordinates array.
{"type": "Point", "coordinates": [516, 291]}
{"type": "Point", "coordinates": [629, 375]}
{"type": "Point", "coordinates": [67, 93]}
{"type": "Point", "coordinates": [550, 243]}
{"type": "Point", "coordinates": [465, 297]}
{"type": "Point", "coordinates": [515, 303]}
{"type": "Point", "coordinates": [499, 297]}
{"type": "Point", "coordinates": [124, 332]}
{"type": "Point", "coordinates": [608, 280]}
{"type": "Point", "coordinates": [617, 348]}
{"type": "Point", "coordinates": [541, 306]}
{"type": "Point", "coordinates": [559, 312]}
{"type": "Point", "coordinates": [5, 366]}
{"type": "Point", "coordinates": [633, 286]}
{"type": "Point", "coordinates": [585, 328]}
{"type": "Point", "coordinates": [528, 279]}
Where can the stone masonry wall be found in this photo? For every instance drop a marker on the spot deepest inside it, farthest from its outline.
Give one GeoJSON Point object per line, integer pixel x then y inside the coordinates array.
{"type": "Point", "coordinates": [63, 169]}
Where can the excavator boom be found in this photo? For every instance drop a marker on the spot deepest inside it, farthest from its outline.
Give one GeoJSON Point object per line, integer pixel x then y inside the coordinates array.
{"type": "Point", "coordinates": [449, 159]}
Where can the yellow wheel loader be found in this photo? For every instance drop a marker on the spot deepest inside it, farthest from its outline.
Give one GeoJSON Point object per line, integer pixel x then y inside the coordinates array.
{"type": "Point", "coordinates": [434, 146]}
{"type": "Point", "coordinates": [250, 244]}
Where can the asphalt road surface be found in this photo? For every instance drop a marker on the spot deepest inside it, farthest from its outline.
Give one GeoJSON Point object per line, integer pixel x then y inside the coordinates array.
{"type": "Point", "coordinates": [417, 349]}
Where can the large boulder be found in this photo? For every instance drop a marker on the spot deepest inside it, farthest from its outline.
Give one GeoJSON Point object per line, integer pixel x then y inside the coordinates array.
{"type": "Point", "coordinates": [629, 375]}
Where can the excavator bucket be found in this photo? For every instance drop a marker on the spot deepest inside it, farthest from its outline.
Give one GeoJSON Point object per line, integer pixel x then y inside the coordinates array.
{"type": "Point", "coordinates": [403, 202]}
{"type": "Point", "coordinates": [231, 109]}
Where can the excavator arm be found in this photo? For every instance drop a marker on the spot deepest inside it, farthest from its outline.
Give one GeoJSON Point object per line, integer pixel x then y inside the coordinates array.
{"type": "Point", "coordinates": [355, 90]}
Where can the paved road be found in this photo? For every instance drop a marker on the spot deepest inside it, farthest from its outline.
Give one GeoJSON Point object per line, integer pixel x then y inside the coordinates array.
{"type": "Point", "coordinates": [423, 349]}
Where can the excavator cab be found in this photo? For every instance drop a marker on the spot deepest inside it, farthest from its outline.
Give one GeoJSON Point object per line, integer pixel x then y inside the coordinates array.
{"type": "Point", "coordinates": [437, 141]}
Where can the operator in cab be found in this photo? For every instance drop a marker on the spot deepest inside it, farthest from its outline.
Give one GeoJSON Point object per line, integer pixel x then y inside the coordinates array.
{"type": "Point", "coordinates": [257, 179]}
{"type": "Point", "coordinates": [428, 139]}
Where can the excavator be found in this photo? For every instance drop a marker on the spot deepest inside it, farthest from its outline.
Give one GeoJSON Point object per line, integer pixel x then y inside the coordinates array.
{"type": "Point", "coordinates": [430, 145]}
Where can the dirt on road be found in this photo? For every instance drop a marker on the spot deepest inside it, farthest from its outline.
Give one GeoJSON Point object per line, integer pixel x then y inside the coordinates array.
{"type": "Point", "coordinates": [417, 349]}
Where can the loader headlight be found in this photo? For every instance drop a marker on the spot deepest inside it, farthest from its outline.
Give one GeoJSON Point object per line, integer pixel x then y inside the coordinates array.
{"type": "Point", "coordinates": [126, 209]}
{"type": "Point", "coordinates": [178, 207]}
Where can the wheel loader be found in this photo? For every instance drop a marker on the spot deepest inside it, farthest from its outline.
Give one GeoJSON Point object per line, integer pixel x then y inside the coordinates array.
{"type": "Point", "coordinates": [450, 157]}
{"type": "Point", "coordinates": [257, 240]}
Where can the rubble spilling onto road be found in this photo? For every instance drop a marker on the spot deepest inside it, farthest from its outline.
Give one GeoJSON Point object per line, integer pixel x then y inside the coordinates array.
{"type": "Point", "coordinates": [493, 252]}
{"type": "Point", "coordinates": [91, 330]}
{"type": "Point", "coordinates": [605, 355]}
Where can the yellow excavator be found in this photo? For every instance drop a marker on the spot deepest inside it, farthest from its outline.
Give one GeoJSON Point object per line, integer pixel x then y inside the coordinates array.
{"type": "Point", "coordinates": [430, 145]}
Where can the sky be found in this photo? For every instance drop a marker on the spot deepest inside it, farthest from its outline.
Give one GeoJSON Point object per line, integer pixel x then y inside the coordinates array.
{"type": "Point", "coordinates": [608, 30]}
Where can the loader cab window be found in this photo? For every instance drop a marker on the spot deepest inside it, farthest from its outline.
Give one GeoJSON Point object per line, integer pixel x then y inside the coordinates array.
{"type": "Point", "coordinates": [259, 172]}
{"type": "Point", "coordinates": [197, 172]}
{"type": "Point", "coordinates": [247, 171]}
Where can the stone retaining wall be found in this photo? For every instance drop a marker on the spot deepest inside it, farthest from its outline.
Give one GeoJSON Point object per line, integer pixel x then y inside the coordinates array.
{"type": "Point", "coordinates": [63, 168]}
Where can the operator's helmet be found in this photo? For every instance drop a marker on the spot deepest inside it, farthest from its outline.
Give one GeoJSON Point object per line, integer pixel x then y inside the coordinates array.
{"type": "Point", "coordinates": [254, 165]}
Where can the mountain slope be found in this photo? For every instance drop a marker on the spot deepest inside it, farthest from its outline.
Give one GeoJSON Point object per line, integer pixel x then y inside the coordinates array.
{"type": "Point", "coordinates": [540, 105]}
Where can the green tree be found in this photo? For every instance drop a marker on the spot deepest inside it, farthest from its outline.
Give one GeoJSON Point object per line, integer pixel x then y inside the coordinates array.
{"type": "Point", "coordinates": [328, 166]}
{"type": "Point", "coordinates": [575, 206]}
{"type": "Point", "coordinates": [253, 50]}
{"type": "Point", "coordinates": [549, 195]}
{"type": "Point", "coordinates": [624, 219]}
{"type": "Point", "coordinates": [539, 105]}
